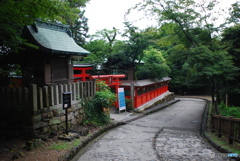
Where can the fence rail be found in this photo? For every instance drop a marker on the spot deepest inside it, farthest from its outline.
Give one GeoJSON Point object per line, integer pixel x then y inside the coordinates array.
{"type": "Point", "coordinates": [36, 98]}
{"type": "Point", "coordinates": [227, 126]}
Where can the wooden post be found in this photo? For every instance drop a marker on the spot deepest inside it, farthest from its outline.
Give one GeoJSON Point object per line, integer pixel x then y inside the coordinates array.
{"type": "Point", "coordinates": [33, 97]}
{"type": "Point", "coordinates": [40, 98]}
{"type": "Point", "coordinates": [219, 126]}
{"type": "Point", "coordinates": [77, 91]}
{"type": "Point", "coordinates": [230, 141]}
{"type": "Point", "coordinates": [69, 89]}
{"type": "Point", "coordinates": [212, 122]}
{"type": "Point", "coordinates": [80, 90]}
{"type": "Point", "coordinates": [51, 95]}
{"type": "Point", "coordinates": [94, 86]}
{"type": "Point", "coordinates": [59, 94]}
{"type": "Point", "coordinates": [132, 95]}
{"type": "Point", "coordinates": [91, 88]}
{"type": "Point", "coordinates": [84, 89]}
{"type": "Point", "coordinates": [88, 89]}
{"type": "Point", "coordinates": [20, 97]}
{"type": "Point", "coordinates": [74, 91]}
{"type": "Point", "coordinates": [8, 97]}
{"type": "Point", "coordinates": [65, 88]}
{"type": "Point", "coordinates": [45, 97]}
{"type": "Point", "coordinates": [26, 98]}
{"type": "Point", "coordinates": [14, 97]}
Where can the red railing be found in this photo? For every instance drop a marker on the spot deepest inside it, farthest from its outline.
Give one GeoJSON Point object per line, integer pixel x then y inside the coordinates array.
{"type": "Point", "coordinates": [143, 98]}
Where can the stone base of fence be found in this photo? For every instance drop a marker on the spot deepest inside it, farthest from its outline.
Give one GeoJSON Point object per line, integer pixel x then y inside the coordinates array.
{"type": "Point", "coordinates": [28, 112]}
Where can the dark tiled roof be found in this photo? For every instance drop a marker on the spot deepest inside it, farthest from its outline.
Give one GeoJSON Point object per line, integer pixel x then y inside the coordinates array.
{"type": "Point", "coordinates": [55, 38]}
{"type": "Point", "coordinates": [145, 82]}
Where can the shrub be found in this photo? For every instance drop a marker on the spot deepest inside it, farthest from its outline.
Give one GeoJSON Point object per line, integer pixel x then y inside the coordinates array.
{"type": "Point", "coordinates": [229, 111]}
{"type": "Point", "coordinates": [97, 109]}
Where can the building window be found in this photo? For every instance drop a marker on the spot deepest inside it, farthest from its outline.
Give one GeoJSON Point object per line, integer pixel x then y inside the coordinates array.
{"type": "Point", "coordinates": [140, 92]}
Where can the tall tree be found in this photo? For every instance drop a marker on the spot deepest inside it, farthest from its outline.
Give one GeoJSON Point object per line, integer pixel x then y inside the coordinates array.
{"type": "Point", "coordinates": [15, 14]}
{"type": "Point", "coordinates": [75, 18]}
{"type": "Point", "coordinates": [154, 66]}
{"type": "Point", "coordinates": [195, 25]}
{"type": "Point", "coordinates": [135, 45]}
{"type": "Point", "coordinates": [231, 39]}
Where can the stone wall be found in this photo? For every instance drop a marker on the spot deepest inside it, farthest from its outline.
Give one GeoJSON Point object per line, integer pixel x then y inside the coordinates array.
{"type": "Point", "coordinates": [35, 110]}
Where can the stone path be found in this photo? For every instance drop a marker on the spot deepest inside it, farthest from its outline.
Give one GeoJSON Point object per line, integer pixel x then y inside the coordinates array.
{"type": "Point", "coordinates": [181, 144]}
{"type": "Point", "coordinates": [171, 134]}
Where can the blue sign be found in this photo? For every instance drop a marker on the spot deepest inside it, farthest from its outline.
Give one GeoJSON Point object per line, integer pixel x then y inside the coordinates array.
{"type": "Point", "coordinates": [232, 155]}
{"type": "Point", "coordinates": [121, 99]}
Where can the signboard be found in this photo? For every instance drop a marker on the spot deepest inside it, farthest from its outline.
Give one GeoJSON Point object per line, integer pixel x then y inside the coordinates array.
{"type": "Point", "coordinates": [121, 99]}
{"type": "Point", "coordinates": [66, 100]}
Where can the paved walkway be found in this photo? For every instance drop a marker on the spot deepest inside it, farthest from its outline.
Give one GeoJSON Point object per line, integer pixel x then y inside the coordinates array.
{"type": "Point", "coordinates": [171, 134]}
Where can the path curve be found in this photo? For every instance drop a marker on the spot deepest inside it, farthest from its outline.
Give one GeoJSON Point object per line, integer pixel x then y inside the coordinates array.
{"type": "Point", "coordinates": [172, 133]}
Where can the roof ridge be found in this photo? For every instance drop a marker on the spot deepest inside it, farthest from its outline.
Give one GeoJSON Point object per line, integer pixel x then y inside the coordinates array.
{"type": "Point", "coordinates": [52, 26]}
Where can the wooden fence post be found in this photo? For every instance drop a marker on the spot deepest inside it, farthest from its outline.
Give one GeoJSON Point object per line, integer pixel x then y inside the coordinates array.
{"type": "Point", "coordinates": [69, 89]}
{"type": "Point", "coordinates": [26, 98]}
{"type": "Point", "coordinates": [81, 95]}
{"type": "Point", "coordinates": [45, 97]}
{"type": "Point", "coordinates": [212, 122]}
{"type": "Point", "coordinates": [40, 98]}
{"type": "Point", "coordinates": [230, 141]}
{"type": "Point", "coordinates": [74, 92]}
{"type": "Point", "coordinates": [132, 95]}
{"type": "Point", "coordinates": [219, 126]}
{"type": "Point", "coordinates": [20, 97]}
{"type": "Point", "coordinates": [9, 97]}
{"type": "Point", "coordinates": [84, 89]}
{"type": "Point", "coordinates": [88, 89]}
{"type": "Point", "coordinates": [33, 97]}
{"type": "Point", "coordinates": [94, 86]}
{"type": "Point", "coordinates": [77, 91]}
{"type": "Point", "coordinates": [59, 93]}
{"type": "Point", "coordinates": [14, 98]}
{"type": "Point", "coordinates": [51, 95]}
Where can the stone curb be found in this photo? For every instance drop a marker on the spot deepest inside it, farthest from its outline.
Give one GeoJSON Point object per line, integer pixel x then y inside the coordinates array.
{"type": "Point", "coordinates": [71, 154]}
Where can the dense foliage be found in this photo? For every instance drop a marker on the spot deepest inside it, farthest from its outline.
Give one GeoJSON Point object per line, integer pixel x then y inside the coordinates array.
{"type": "Point", "coordinates": [97, 109]}
{"type": "Point", "coordinates": [229, 111]}
{"type": "Point", "coordinates": [189, 44]}
{"type": "Point", "coordinates": [198, 53]}
{"type": "Point", "coordinates": [14, 14]}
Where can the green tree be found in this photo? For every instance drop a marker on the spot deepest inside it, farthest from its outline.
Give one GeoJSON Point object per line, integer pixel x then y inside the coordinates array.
{"type": "Point", "coordinates": [132, 49]}
{"type": "Point", "coordinates": [73, 15]}
{"type": "Point", "coordinates": [196, 40]}
{"type": "Point", "coordinates": [98, 53]}
{"type": "Point", "coordinates": [155, 65]}
{"type": "Point", "coordinates": [234, 13]}
{"type": "Point", "coordinates": [15, 14]}
{"type": "Point", "coordinates": [102, 48]}
{"type": "Point", "coordinates": [231, 39]}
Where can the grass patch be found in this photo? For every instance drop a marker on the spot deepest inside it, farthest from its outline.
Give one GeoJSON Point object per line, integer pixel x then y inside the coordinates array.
{"type": "Point", "coordinates": [223, 142]}
{"type": "Point", "coordinates": [65, 145]}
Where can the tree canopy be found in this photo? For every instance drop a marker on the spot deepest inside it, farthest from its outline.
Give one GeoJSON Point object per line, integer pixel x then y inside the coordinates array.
{"type": "Point", "coordinates": [15, 14]}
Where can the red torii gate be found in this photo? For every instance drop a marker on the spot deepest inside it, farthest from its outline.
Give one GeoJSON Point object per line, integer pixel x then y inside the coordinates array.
{"type": "Point", "coordinates": [113, 81]}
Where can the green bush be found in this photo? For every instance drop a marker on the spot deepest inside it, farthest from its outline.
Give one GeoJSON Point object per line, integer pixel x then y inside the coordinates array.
{"type": "Point", "coordinates": [229, 111]}
{"type": "Point", "coordinates": [97, 109]}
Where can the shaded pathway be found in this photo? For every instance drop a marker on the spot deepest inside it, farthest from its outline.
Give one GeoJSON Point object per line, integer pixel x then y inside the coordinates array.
{"type": "Point", "coordinates": [169, 134]}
